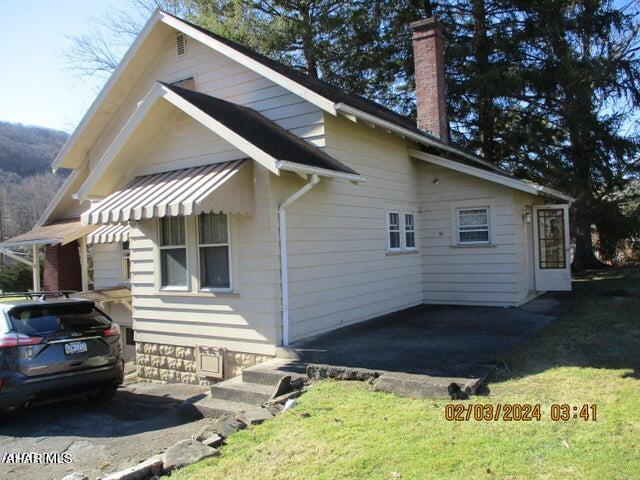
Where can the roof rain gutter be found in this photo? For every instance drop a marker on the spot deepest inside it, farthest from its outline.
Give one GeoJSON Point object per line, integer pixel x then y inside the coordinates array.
{"type": "Point", "coordinates": [284, 273]}
{"type": "Point", "coordinates": [423, 139]}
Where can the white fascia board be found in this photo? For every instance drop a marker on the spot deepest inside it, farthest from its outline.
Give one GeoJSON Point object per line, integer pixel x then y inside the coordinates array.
{"type": "Point", "coordinates": [291, 85]}
{"type": "Point", "coordinates": [322, 172]}
{"type": "Point", "coordinates": [218, 128]}
{"type": "Point", "coordinates": [530, 188]}
{"type": "Point", "coordinates": [350, 113]}
{"type": "Point", "coordinates": [113, 79]}
{"type": "Point", "coordinates": [122, 137]}
{"type": "Point", "coordinates": [62, 192]}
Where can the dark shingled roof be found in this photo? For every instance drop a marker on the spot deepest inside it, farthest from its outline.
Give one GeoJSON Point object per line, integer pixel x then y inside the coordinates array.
{"type": "Point", "coordinates": [337, 95]}
{"type": "Point", "coordinates": [265, 134]}
{"type": "Point", "coordinates": [322, 88]}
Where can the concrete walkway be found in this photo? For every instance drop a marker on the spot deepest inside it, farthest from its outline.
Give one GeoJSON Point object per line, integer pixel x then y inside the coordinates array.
{"type": "Point", "coordinates": [435, 341]}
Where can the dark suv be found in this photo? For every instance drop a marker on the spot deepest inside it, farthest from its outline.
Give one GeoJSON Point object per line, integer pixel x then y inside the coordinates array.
{"type": "Point", "coordinates": [57, 348]}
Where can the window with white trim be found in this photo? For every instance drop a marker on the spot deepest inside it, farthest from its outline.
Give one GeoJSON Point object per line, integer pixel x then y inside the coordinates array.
{"type": "Point", "coordinates": [173, 253]}
{"type": "Point", "coordinates": [394, 230]}
{"type": "Point", "coordinates": [213, 250]}
{"type": "Point", "coordinates": [401, 228]}
{"type": "Point", "coordinates": [126, 261]}
{"type": "Point", "coordinates": [473, 225]}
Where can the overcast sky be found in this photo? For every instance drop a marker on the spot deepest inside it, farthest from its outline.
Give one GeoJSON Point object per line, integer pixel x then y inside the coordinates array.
{"type": "Point", "coordinates": [36, 87]}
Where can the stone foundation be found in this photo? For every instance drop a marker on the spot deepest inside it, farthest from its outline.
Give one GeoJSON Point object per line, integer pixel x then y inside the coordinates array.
{"type": "Point", "coordinates": [176, 364]}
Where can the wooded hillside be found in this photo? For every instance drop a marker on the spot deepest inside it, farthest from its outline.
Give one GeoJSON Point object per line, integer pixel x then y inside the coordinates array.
{"type": "Point", "coordinates": [26, 181]}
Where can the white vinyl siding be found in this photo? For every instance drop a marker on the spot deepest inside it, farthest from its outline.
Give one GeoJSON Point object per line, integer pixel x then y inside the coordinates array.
{"type": "Point", "coordinates": [183, 142]}
{"type": "Point", "coordinates": [107, 265]}
{"type": "Point", "coordinates": [340, 270]}
{"type": "Point", "coordinates": [243, 320]}
{"type": "Point", "coordinates": [473, 274]}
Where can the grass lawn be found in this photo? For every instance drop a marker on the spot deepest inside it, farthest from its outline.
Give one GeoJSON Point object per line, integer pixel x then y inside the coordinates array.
{"type": "Point", "coordinates": [590, 356]}
{"type": "Point", "coordinates": [11, 299]}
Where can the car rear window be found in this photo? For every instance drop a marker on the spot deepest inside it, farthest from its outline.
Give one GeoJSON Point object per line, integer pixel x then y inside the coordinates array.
{"type": "Point", "coordinates": [48, 319]}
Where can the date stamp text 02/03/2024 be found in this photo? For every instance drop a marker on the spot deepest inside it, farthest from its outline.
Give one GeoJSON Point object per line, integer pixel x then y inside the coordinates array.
{"type": "Point", "coordinates": [518, 412]}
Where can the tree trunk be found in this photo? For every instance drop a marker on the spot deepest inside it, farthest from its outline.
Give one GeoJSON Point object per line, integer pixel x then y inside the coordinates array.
{"type": "Point", "coordinates": [584, 256]}
{"type": "Point", "coordinates": [485, 98]}
{"type": "Point", "coordinates": [308, 43]}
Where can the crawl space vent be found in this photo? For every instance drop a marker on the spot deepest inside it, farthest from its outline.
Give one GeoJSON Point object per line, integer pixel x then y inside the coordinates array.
{"type": "Point", "coordinates": [181, 44]}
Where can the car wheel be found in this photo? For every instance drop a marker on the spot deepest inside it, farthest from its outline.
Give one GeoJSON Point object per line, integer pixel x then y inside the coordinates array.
{"type": "Point", "coordinates": [103, 395]}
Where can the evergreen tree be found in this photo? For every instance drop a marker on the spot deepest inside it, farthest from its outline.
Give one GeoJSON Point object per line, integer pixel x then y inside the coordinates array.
{"type": "Point", "coordinates": [583, 87]}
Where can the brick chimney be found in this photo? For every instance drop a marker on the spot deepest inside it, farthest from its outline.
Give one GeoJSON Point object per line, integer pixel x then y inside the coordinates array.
{"type": "Point", "coordinates": [431, 98]}
{"type": "Point", "coordinates": [62, 267]}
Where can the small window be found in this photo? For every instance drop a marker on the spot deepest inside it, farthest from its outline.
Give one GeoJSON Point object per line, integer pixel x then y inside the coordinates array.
{"type": "Point", "coordinates": [394, 231]}
{"type": "Point", "coordinates": [181, 44]}
{"type": "Point", "coordinates": [409, 231]}
{"type": "Point", "coordinates": [173, 252]}
{"type": "Point", "coordinates": [126, 262]}
{"type": "Point", "coordinates": [128, 336]}
{"type": "Point", "coordinates": [402, 231]}
{"type": "Point", "coordinates": [473, 225]}
{"type": "Point", "coordinates": [213, 244]}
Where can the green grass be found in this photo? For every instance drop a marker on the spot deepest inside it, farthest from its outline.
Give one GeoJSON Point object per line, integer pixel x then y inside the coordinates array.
{"type": "Point", "coordinates": [11, 299]}
{"type": "Point", "coordinates": [591, 355]}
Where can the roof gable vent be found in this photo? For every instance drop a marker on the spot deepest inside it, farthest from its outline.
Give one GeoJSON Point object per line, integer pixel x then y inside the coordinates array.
{"type": "Point", "coordinates": [181, 44]}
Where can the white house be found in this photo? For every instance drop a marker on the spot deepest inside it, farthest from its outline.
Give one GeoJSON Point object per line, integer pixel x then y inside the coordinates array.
{"type": "Point", "coordinates": [250, 206]}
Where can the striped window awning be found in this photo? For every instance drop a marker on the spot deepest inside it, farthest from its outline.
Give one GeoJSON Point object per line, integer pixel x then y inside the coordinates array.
{"type": "Point", "coordinates": [109, 234]}
{"type": "Point", "coordinates": [221, 188]}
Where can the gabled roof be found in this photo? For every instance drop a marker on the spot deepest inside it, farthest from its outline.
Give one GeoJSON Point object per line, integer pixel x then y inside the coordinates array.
{"type": "Point", "coordinates": [327, 97]}
{"type": "Point", "coordinates": [345, 102]}
{"type": "Point", "coordinates": [265, 134]}
{"type": "Point", "coordinates": [255, 136]}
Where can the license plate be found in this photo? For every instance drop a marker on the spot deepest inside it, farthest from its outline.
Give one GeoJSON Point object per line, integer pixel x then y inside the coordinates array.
{"type": "Point", "coordinates": [75, 347]}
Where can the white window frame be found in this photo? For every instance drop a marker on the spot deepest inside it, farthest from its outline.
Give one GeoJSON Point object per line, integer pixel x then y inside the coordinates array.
{"type": "Point", "coordinates": [402, 231]}
{"type": "Point", "coordinates": [199, 246]}
{"type": "Point", "coordinates": [177, 288]}
{"type": "Point", "coordinates": [479, 228]}
{"type": "Point", "coordinates": [125, 259]}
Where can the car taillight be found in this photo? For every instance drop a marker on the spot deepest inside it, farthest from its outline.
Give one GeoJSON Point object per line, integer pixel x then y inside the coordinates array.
{"type": "Point", "coordinates": [113, 330]}
{"type": "Point", "coordinates": [9, 340]}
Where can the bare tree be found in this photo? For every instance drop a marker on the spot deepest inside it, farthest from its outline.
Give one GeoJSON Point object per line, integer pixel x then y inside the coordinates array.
{"type": "Point", "coordinates": [98, 51]}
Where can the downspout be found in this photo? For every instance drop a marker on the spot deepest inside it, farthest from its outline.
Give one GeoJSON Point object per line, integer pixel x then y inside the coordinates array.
{"type": "Point", "coordinates": [284, 275]}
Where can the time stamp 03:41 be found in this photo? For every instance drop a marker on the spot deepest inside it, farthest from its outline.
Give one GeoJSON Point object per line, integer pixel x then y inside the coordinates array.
{"type": "Point", "coordinates": [518, 412]}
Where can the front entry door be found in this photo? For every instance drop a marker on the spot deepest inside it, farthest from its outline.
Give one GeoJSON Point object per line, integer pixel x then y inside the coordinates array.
{"type": "Point", "coordinates": [551, 248]}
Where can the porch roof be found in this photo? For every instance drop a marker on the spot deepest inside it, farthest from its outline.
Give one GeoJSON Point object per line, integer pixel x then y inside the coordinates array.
{"type": "Point", "coordinates": [60, 232]}
{"type": "Point", "coordinates": [221, 187]}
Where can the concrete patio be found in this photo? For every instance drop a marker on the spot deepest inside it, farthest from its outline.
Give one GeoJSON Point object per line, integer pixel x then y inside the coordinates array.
{"type": "Point", "coordinates": [430, 343]}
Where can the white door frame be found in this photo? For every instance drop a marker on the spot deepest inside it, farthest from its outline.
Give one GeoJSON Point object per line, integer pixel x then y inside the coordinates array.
{"type": "Point", "coordinates": [552, 279]}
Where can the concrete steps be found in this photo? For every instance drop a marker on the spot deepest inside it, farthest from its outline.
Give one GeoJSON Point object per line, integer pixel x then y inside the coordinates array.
{"type": "Point", "coordinates": [271, 372]}
{"type": "Point", "coordinates": [209, 407]}
{"type": "Point", "coordinates": [256, 386]}
{"type": "Point", "coordinates": [238, 390]}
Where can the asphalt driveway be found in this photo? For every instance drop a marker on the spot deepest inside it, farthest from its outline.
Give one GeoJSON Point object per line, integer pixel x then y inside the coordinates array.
{"type": "Point", "coordinates": [439, 341]}
{"type": "Point", "coordinates": [99, 438]}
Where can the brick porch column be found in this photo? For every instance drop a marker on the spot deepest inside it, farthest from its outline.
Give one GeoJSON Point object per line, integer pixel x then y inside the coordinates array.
{"type": "Point", "coordinates": [62, 269]}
